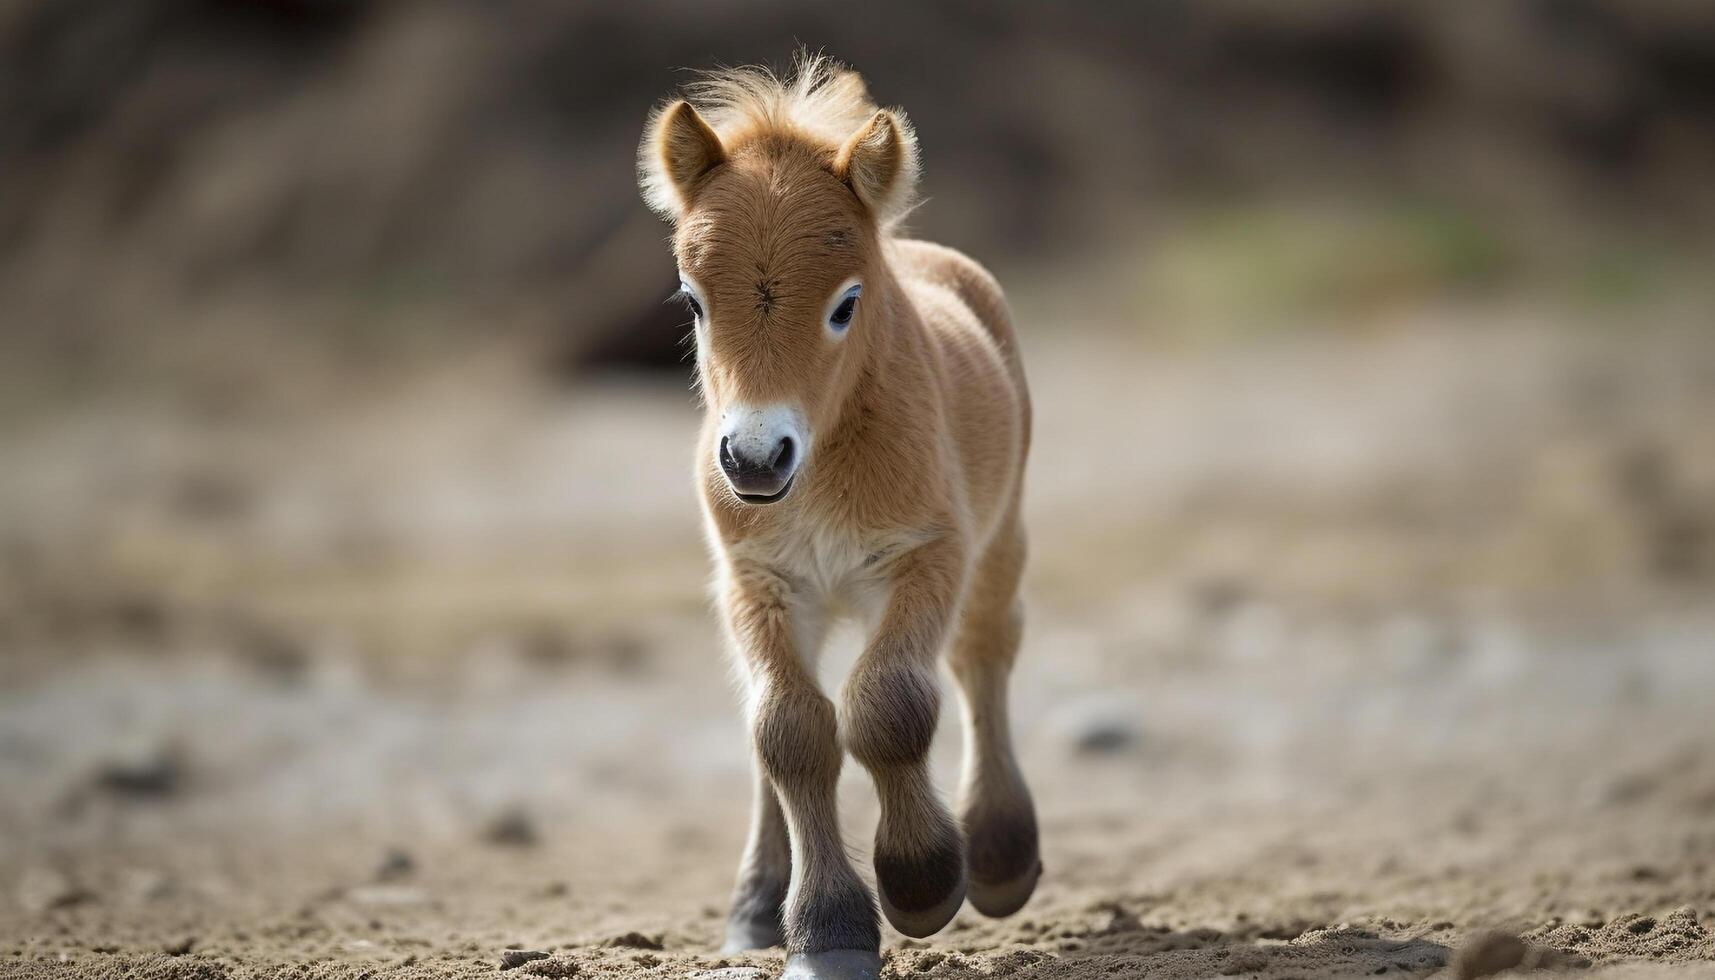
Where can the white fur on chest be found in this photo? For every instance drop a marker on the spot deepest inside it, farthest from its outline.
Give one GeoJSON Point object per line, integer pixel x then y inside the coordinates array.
{"type": "Point", "coordinates": [835, 572]}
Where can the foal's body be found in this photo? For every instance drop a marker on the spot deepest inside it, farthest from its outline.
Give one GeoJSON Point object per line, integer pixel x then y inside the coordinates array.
{"type": "Point", "coordinates": [867, 466]}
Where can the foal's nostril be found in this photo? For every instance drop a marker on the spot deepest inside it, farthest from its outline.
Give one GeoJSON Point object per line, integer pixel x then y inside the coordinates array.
{"type": "Point", "coordinates": [729, 462]}
{"type": "Point", "coordinates": [783, 455]}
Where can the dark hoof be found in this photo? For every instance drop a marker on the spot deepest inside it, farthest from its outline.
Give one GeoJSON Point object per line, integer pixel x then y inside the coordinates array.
{"type": "Point", "coordinates": [1002, 899]}
{"type": "Point", "coordinates": [1003, 857]}
{"type": "Point", "coordinates": [925, 922]}
{"type": "Point", "coordinates": [833, 964]}
{"type": "Point", "coordinates": [748, 934]}
{"type": "Point", "coordinates": [921, 896]}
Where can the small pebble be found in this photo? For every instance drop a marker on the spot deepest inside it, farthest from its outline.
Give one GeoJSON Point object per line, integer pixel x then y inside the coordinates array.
{"type": "Point", "coordinates": [1105, 737]}
{"type": "Point", "coordinates": [511, 828]}
{"type": "Point", "coordinates": [179, 947]}
{"type": "Point", "coordinates": [397, 863]}
{"type": "Point", "coordinates": [514, 958]}
{"type": "Point", "coordinates": [149, 771]}
{"type": "Point", "coordinates": [635, 940]}
{"type": "Point", "coordinates": [1487, 953]}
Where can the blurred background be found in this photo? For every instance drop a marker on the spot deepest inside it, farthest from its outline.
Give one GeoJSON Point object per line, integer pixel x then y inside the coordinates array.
{"type": "Point", "coordinates": [352, 594]}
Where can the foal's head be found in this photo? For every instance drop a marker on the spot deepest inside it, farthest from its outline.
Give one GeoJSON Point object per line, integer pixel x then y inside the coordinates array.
{"type": "Point", "coordinates": [780, 193]}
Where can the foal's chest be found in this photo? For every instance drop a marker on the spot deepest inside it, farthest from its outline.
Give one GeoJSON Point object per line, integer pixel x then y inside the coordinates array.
{"type": "Point", "coordinates": [849, 571]}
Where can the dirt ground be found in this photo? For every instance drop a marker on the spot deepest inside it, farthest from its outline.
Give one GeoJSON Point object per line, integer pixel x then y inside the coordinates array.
{"type": "Point", "coordinates": [1386, 654]}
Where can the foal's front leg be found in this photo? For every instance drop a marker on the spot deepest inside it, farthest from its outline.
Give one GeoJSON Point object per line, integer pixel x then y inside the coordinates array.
{"type": "Point", "coordinates": [890, 705]}
{"type": "Point", "coordinates": [829, 918]}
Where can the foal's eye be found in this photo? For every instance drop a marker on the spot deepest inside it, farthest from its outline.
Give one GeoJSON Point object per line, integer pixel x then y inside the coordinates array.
{"type": "Point", "coordinates": [841, 318]}
{"type": "Point", "coordinates": [690, 299]}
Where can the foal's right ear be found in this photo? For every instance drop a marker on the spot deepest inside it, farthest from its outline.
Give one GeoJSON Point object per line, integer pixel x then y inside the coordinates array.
{"type": "Point", "coordinates": [678, 149]}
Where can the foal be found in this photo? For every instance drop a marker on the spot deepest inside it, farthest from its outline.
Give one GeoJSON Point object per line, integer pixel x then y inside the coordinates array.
{"type": "Point", "coordinates": [866, 427]}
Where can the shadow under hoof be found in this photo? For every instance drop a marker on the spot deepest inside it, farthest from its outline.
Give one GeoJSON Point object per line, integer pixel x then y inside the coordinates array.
{"type": "Point", "coordinates": [1000, 900]}
{"type": "Point", "coordinates": [833, 964]}
{"type": "Point", "coordinates": [743, 935]}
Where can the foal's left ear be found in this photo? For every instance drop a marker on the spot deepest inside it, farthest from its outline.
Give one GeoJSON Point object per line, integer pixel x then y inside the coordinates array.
{"type": "Point", "coordinates": [879, 163]}
{"type": "Point", "coordinates": [678, 149]}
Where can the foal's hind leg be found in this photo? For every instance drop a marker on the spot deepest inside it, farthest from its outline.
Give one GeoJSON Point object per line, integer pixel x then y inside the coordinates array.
{"type": "Point", "coordinates": [757, 920]}
{"type": "Point", "coordinates": [994, 805]}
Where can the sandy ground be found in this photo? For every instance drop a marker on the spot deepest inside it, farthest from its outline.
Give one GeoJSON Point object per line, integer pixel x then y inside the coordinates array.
{"type": "Point", "coordinates": [1342, 656]}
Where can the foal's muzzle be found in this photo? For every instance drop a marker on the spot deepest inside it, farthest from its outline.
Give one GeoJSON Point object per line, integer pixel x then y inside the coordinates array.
{"type": "Point", "coordinates": [760, 448]}
{"type": "Point", "coordinates": [760, 479]}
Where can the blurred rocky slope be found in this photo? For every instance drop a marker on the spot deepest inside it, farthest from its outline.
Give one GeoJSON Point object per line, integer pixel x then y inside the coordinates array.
{"type": "Point", "coordinates": [213, 187]}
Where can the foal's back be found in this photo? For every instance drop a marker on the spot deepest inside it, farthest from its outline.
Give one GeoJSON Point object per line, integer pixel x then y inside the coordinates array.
{"type": "Point", "coordinates": [922, 264]}
{"type": "Point", "coordinates": [964, 312]}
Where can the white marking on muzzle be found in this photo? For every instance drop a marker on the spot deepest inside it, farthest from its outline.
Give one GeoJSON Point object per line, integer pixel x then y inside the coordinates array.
{"type": "Point", "coordinates": [753, 433]}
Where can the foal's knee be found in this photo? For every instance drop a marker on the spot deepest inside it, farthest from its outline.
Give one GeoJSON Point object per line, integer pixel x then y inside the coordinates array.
{"type": "Point", "coordinates": [890, 715]}
{"type": "Point", "coordinates": [797, 737]}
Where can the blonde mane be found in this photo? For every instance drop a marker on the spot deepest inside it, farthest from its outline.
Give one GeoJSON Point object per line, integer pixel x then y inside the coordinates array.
{"type": "Point", "coordinates": [818, 100]}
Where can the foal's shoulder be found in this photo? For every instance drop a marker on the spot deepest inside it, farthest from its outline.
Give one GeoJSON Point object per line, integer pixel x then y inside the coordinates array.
{"type": "Point", "coordinates": [913, 259]}
{"type": "Point", "coordinates": [919, 261]}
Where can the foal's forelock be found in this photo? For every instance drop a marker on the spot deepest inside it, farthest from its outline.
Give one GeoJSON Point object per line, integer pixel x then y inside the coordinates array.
{"type": "Point", "coordinates": [820, 107]}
